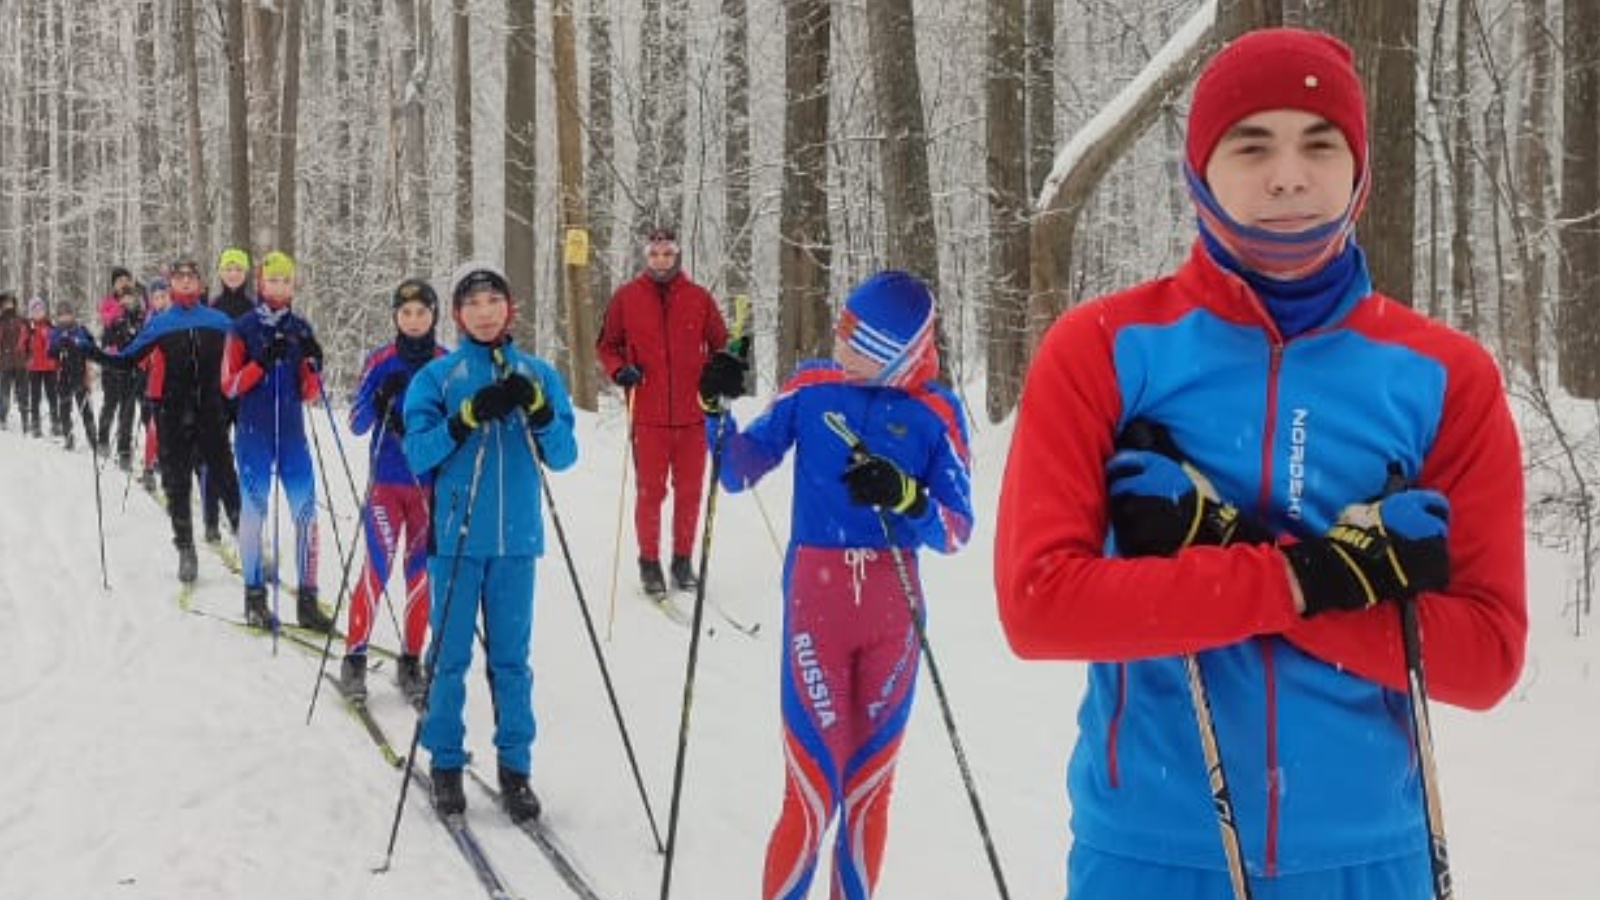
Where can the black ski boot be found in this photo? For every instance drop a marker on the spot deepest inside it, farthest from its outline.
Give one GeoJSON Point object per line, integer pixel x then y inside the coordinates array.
{"type": "Point", "coordinates": [309, 614]}
{"type": "Point", "coordinates": [408, 675]}
{"type": "Point", "coordinates": [256, 613]}
{"type": "Point", "coordinates": [651, 579]}
{"type": "Point", "coordinates": [353, 676]}
{"type": "Point", "coordinates": [683, 574]}
{"type": "Point", "coordinates": [448, 797]}
{"type": "Point", "coordinates": [188, 564]}
{"type": "Point", "coordinates": [521, 803]}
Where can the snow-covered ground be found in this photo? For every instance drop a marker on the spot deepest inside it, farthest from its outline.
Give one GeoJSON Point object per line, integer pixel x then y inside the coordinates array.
{"type": "Point", "coordinates": [149, 753]}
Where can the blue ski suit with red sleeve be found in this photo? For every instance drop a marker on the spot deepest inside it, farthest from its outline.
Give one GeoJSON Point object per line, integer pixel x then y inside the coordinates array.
{"type": "Point", "coordinates": [1310, 713]}
{"type": "Point", "coordinates": [851, 652]}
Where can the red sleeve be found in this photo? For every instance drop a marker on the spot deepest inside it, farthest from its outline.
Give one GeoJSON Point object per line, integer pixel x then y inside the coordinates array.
{"type": "Point", "coordinates": [155, 363]}
{"type": "Point", "coordinates": [310, 382]}
{"type": "Point", "coordinates": [716, 333]}
{"type": "Point", "coordinates": [239, 372]}
{"type": "Point", "coordinates": [1059, 595]}
{"type": "Point", "coordinates": [1474, 633]}
{"type": "Point", "coordinates": [612, 346]}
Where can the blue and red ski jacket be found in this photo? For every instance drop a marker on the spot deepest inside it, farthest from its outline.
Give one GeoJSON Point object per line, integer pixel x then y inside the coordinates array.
{"type": "Point", "coordinates": [1310, 713]}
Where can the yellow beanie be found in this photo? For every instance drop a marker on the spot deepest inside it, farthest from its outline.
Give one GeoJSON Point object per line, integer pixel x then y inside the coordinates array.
{"type": "Point", "coordinates": [233, 256]}
{"type": "Point", "coordinates": [277, 264]}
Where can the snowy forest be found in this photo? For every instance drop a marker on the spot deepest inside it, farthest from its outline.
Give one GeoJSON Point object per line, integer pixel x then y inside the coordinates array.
{"type": "Point", "coordinates": [1027, 160]}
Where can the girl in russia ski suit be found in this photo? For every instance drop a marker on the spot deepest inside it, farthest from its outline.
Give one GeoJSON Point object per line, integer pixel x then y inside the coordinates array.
{"type": "Point", "coordinates": [474, 420]}
{"type": "Point", "coordinates": [398, 498]}
{"type": "Point", "coordinates": [271, 367]}
{"type": "Point", "coordinates": [1221, 484]}
{"type": "Point", "coordinates": [878, 445]}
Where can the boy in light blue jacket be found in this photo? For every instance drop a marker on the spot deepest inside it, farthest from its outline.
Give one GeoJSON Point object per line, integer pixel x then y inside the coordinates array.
{"type": "Point", "coordinates": [474, 420]}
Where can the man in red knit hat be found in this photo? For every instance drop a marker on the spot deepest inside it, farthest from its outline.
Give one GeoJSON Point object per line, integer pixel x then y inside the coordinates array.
{"type": "Point", "coordinates": [1220, 486]}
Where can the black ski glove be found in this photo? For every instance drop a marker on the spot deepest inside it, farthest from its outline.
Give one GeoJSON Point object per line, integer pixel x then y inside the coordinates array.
{"type": "Point", "coordinates": [311, 351]}
{"type": "Point", "coordinates": [1159, 503]}
{"type": "Point", "coordinates": [529, 395]}
{"type": "Point", "coordinates": [627, 376]}
{"type": "Point", "coordinates": [1391, 549]}
{"type": "Point", "coordinates": [722, 376]}
{"type": "Point", "coordinates": [274, 348]}
{"type": "Point", "coordinates": [876, 481]}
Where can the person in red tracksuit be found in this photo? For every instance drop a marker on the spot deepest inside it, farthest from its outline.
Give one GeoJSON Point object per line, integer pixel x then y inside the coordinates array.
{"type": "Point", "coordinates": [660, 330]}
{"type": "Point", "coordinates": [41, 369]}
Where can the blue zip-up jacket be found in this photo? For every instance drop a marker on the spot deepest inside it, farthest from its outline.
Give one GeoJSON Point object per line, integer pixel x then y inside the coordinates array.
{"type": "Point", "coordinates": [506, 518]}
{"type": "Point", "coordinates": [923, 433]}
{"type": "Point", "coordinates": [1310, 714]}
{"type": "Point", "coordinates": [387, 456]}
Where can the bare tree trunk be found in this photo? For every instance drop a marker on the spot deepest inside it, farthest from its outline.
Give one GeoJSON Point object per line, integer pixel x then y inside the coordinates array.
{"type": "Point", "coordinates": [521, 163]}
{"type": "Point", "coordinates": [1041, 89]}
{"type": "Point", "coordinates": [238, 127]}
{"type": "Point", "coordinates": [736, 274]}
{"type": "Point", "coordinates": [1384, 38]}
{"type": "Point", "coordinates": [913, 235]}
{"type": "Point", "coordinates": [674, 86]}
{"type": "Point", "coordinates": [647, 119]}
{"type": "Point", "coordinates": [263, 42]}
{"type": "Point", "coordinates": [602, 146]}
{"type": "Point", "coordinates": [574, 217]}
{"type": "Point", "coordinates": [461, 69]}
{"type": "Point", "coordinates": [146, 133]}
{"type": "Point", "coordinates": [344, 148]}
{"type": "Point", "coordinates": [289, 128]}
{"type": "Point", "coordinates": [1005, 132]}
{"type": "Point", "coordinates": [416, 62]}
{"type": "Point", "coordinates": [1580, 201]}
{"type": "Point", "coordinates": [1533, 167]}
{"type": "Point", "coordinates": [805, 251]}
{"type": "Point", "coordinates": [1463, 282]}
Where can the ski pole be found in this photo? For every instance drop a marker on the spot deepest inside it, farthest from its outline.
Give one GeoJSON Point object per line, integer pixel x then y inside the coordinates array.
{"type": "Point", "coordinates": [433, 648]}
{"type": "Point", "coordinates": [348, 559]}
{"type": "Point", "coordinates": [1421, 724]}
{"type": "Point", "coordinates": [741, 314]}
{"type": "Point", "coordinates": [622, 497]}
{"type": "Point", "coordinates": [594, 640]}
{"type": "Point", "coordinates": [858, 452]}
{"type": "Point", "coordinates": [99, 507]}
{"type": "Point", "coordinates": [1144, 435]}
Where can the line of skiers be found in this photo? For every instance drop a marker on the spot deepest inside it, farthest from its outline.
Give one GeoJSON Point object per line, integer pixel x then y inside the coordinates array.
{"type": "Point", "coordinates": [456, 441]}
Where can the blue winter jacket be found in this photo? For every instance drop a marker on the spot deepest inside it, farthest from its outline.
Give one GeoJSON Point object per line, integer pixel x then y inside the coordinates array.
{"type": "Point", "coordinates": [924, 433]}
{"type": "Point", "coordinates": [504, 492]}
{"type": "Point", "coordinates": [387, 456]}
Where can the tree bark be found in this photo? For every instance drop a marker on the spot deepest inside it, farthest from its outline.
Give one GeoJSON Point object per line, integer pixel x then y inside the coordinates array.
{"type": "Point", "coordinates": [1533, 167]}
{"type": "Point", "coordinates": [913, 235]}
{"type": "Point", "coordinates": [805, 251]}
{"type": "Point", "coordinates": [521, 163]}
{"type": "Point", "coordinates": [647, 119]}
{"type": "Point", "coordinates": [151, 208]}
{"type": "Point", "coordinates": [416, 63]}
{"type": "Point", "coordinates": [289, 129]}
{"type": "Point", "coordinates": [574, 216]}
{"type": "Point", "coordinates": [263, 44]}
{"type": "Point", "coordinates": [736, 269]}
{"type": "Point", "coordinates": [238, 129]}
{"type": "Point", "coordinates": [461, 69]}
{"type": "Point", "coordinates": [1580, 201]}
{"type": "Point", "coordinates": [1005, 132]}
{"type": "Point", "coordinates": [602, 147]}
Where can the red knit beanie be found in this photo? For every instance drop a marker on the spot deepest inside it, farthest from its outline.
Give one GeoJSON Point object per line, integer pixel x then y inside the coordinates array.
{"type": "Point", "coordinates": [1277, 68]}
